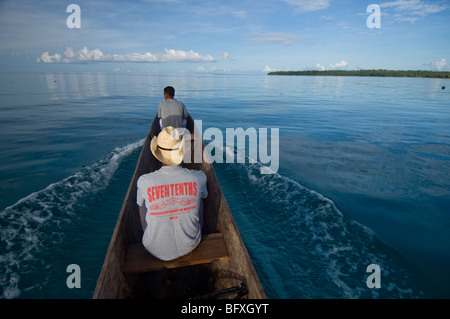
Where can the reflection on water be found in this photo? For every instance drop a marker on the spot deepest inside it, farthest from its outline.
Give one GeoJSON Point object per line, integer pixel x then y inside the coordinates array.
{"type": "Point", "coordinates": [76, 86]}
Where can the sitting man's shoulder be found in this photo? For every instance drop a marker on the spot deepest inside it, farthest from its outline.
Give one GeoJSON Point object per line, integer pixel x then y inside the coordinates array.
{"type": "Point", "coordinates": [198, 173]}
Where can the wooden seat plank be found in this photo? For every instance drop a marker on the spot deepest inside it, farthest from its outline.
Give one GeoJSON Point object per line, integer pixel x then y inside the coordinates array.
{"type": "Point", "coordinates": [139, 260]}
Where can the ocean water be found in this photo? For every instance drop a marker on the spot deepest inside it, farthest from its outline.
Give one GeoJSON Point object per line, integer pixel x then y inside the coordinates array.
{"type": "Point", "coordinates": [363, 178]}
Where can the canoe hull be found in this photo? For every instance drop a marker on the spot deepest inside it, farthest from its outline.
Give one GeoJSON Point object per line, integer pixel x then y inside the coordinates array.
{"type": "Point", "coordinates": [184, 282]}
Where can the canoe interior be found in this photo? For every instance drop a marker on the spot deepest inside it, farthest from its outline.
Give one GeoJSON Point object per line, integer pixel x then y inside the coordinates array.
{"type": "Point", "coordinates": [185, 282]}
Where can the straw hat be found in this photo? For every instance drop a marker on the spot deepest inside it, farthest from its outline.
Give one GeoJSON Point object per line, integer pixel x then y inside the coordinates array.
{"type": "Point", "coordinates": [168, 146]}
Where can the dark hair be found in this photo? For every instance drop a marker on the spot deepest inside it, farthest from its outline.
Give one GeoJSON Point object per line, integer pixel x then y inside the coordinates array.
{"type": "Point", "coordinates": [169, 90]}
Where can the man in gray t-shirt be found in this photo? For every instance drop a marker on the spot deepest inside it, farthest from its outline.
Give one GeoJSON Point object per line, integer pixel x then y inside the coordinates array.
{"type": "Point", "coordinates": [172, 216]}
{"type": "Point", "coordinates": [170, 111]}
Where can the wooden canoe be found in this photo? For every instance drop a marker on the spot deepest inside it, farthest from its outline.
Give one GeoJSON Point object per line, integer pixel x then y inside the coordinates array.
{"type": "Point", "coordinates": [206, 279]}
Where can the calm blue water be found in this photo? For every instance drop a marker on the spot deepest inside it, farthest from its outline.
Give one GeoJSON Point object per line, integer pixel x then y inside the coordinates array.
{"type": "Point", "coordinates": [363, 178]}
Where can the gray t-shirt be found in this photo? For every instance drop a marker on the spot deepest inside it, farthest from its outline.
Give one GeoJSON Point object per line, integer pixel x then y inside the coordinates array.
{"type": "Point", "coordinates": [173, 198]}
{"type": "Point", "coordinates": [172, 112]}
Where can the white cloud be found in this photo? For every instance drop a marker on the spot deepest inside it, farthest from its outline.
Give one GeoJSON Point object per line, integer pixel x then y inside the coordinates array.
{"type": "Point", "coordinates": [226, 56]}
{"type": "Point", "coordinates": [86, 55]}
{"type": "Point", "coordinates": [413, 10]}
{"type": "Point", "coordinates": [269, 69]}
{"type": "Point", "coordinates": [239, 14]}
{"type": "Point", "coordinates": [327, 17]}
{"type": "Point", "coordinates": [309, 5]}
{"type": "Point", "coordinates": [342, 65]}
{"type": "Point", "coordinates": [319, 67]}
{"type": "Point", "coordinates": [203, 69]}
{"type": "Point", "coordinates": [339, 66]}
{"type": "Point", "coordinates": [275, 37]}
{"type": "Point", "coordinates": [440, 65]}
{"type": "Point", "coordinates": [47, 58]}
{"type": "Point", "coordinates": [82, 55]}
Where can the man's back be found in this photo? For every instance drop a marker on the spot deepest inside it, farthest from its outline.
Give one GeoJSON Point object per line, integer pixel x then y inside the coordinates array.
{"type": "Point", "coordinates": [172, 113]}
{"type": "Point", "coordinates": [173, 197]}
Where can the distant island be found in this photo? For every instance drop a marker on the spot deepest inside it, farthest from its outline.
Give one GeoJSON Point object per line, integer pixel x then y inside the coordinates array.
{"type": "Point", "coordinates": [380, 72]}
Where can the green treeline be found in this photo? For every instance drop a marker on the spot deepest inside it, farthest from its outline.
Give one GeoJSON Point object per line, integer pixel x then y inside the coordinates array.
{"type": "Point", "coordinates": [381, 72]}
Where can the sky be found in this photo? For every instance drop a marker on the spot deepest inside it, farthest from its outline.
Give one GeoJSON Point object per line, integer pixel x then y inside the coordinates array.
{"type": "Point", "coordinates": [215, 36]}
